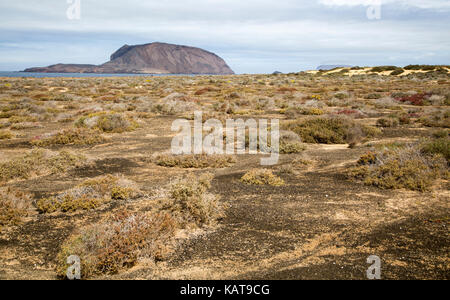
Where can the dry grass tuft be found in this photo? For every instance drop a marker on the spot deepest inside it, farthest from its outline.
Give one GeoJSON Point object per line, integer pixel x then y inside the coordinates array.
{"type": "Point", "coordinates": [201, 161]}
{"type": "Point", "coordinates": [14, 206]}
{"type": "Point", "coordinates": [262, 177]}
{"type": "Point", "coordinates": [6, 135]}
{"type": "Point", "coordinates": [79, 136]}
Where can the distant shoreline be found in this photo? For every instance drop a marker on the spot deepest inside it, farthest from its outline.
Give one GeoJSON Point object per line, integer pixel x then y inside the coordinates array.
{"type": "Point", "coordinates": [19, 74]}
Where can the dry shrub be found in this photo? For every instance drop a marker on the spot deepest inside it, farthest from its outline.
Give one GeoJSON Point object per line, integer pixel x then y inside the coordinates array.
{"type": "Point", "coordinates": [118, 243]}
{"type": "Point", "coordinates": [200, 161]}
{"type": "Point", "coordinates": [14, 206]}
{"type": "Point", "coordinates": [6, 135]}
{"type": "Point", "coordinates": [26, 125]}
{"type": "Point", "coordinates": [90, 194]}
{"type": "Point", "coordinates": [388, 122]}
{"type": "Point", "coordinates": [440, 146]}
{"type": "Point", "coordinates": [114, 123]}
{"type": "Point", "coordinates": [312, 111]}
{"type": "Point", "coordinates": [386, 102]}
{"type": "Point", "coordinates": [192, 204]}
{"type": "Point", "coordinates": [286, 89]}
{"type": "Point", "coordinates": [107, 122]}
{"type": "Point", "coordinates": [402, 167]}
{"type": "Point", "coordinates": [291, 148]}
{"type": "Point", "coordinates": [262, 177]}
{"type": "Point", "coordinates": [173, 107]}
{"type": "Point", "coordinates": [39, 162]}
{"type": "Point", "coordinates": [438, 118]}
{"type": "Point", "coordinates": [78, 136]}
{"type": "Point", "coordinates": [331, 130]}
{"type": "Point", "coordinates": [205, 90]}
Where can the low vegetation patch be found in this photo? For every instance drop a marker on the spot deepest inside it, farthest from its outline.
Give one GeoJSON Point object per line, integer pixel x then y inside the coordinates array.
{"type": "Point", "coordinates": [14, 206]}
{"type": "Point", "coordinates": [262, 177]}
{"type": "Point", "coordinates": [39, 162]}
{"type": "Point", "coordinates": [89, 195]}
{"type": "Point", "coordinates": [401, 167]}
{"type": "Point", "coordinates": [440, 146]}
{"type": "Point", "coordinates": [388, 122]}
{"type": "Point", "coordinates": [191, 204]}
{"type": "Point", "coordinates": [291, 148]}
{"type": "Point", "coordinates": [123, 238]}
{"type": "Point", "coordinates": [437, 119]}
{"type": "Point", "coordinates": [200, 161]}
{"type": "Point", "coordinates": [6, 135]}
{"type": "Point", "coordinates": [335, 130]}
{"type": "Point", "coordinates": [107, 122]}
{"type": "Point", "coordinates": [418, 99]}
{"type": "Point", "coordinates": [384, 68]}
{"type": "Point", "coordinates": [118, 242]}
{"type": "Point", "coordinates": [78, 136]}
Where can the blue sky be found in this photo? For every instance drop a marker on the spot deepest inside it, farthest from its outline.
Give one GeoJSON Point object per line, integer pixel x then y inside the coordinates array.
{"type": "Point", "coordinates": [253, 36]}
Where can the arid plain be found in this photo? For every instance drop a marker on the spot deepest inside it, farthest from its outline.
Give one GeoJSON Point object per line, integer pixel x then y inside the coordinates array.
{"type": "Point", "coordinates": [86, 169]}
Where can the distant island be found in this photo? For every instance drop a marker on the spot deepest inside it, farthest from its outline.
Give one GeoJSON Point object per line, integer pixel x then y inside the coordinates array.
{"type": "Point", "coordinates": [153, 58]}
{"type": "Point", "coordinates": [331, 67]}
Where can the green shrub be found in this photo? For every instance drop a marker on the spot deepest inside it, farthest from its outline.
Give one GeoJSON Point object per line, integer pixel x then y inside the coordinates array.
{"type": "Point", "coordinates": [373, 96]}
{"type": "Point", "coordinates": [438, 146]}
{"type": "Point", "coordinates": [397, 72]}
{"type": "Point", "coordinates": [383, 68]}
{"type": "Point", "coordinates": [334, 130]}
{"type": "Point", "coordinates": [421, 67]}
{"type": "Point", "coordinates": [441, 134]}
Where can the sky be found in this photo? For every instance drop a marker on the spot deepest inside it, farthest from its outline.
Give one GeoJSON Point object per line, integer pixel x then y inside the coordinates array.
{"type": "Point", "coordinates": [252, 36]}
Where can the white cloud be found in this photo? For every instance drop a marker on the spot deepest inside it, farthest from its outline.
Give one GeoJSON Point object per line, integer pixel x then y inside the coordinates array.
{"type": "Point", "coordinates": [423, 4]}
{"type": "Point", "coordinates": [251, 35]}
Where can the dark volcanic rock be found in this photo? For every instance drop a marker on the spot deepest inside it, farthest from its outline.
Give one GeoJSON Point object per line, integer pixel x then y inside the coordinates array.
{"type": "Point", "coordinates": [154, 58]}
{"type": "Point", "coordinates": [63, 68]}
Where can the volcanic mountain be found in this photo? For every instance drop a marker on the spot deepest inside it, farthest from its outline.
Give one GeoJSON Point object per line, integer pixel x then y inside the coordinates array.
{"type": "Point", "coordinates": [154, 58]}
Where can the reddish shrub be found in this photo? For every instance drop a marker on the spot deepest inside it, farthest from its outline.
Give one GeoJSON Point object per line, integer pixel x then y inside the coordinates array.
{"type": "Point", "coordinates": [205, 90]}
{"type": "Point", "coordinates": [286, 89]}
{"type": "Point", "coordinates": [347, 112]}
{"type": "Point", "coordinates": [417, 99]}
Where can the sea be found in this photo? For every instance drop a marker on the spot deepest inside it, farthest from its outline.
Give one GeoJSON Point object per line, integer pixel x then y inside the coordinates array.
{"type": "Point", "coordinates": [79, 75]}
